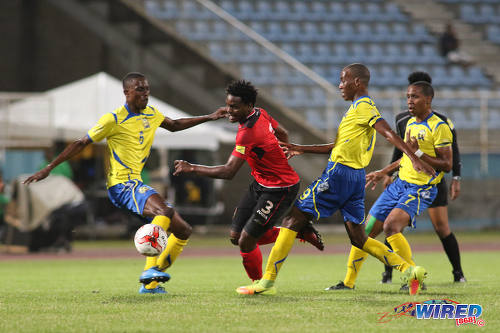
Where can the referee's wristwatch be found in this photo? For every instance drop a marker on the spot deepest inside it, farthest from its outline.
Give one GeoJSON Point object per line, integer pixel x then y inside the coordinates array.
{"type": "Point", "coordinates": [458, 178]}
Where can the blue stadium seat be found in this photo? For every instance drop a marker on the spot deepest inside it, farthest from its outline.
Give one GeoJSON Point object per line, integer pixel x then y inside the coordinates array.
{"type": "Point", "coordinates": [245, 9]}
{"type": "Point", "coordinates": [300, 11]}
{"type": "Point", "coordinates": [323, 53]}
{"type": "Point", "coordinates": [493, 33]}
{"type": "Point", "coordinates": [400, 32]}
{"type": "Point", "coordinates": [217, 51]}
{"type": "Point", "coordinates": [263, 10]}
{"type": "Point", "coordinates": [328, 31]}
{"type": "Point", "coordinates": [347, 31]}
{"type": "Point", "coordinates": [258, 26]}
{"type": "Point", "coordinates": [336, 10]}
{"type": "Point", "coordinates": [468, 13]}
{"type": "Point", "coordinates": [420, 34]}
{"type": "Point", "coordinates": [292, 31]}
{"type": "Point", "coordinates": [393, 53]}
{"type": "Point", "coordinates": [341, 53]}
{"type": "Point", "coordinates": [228, 5]}
{"type": "Point", "coordinates": [274, 31]}
{"type": "Point", "coordinates": [477, 78]}
{"type": "Point", "coordinates": [359, 53]}
{"type": "Point", "coordinates": [282, 10]}
{"type": "Point", "coordinates": [310, 32]}
{"type": "Point", "coordinates": [410, 54]}
{"type": "Point", "coordinates": [392, 12]}
{"type": "Point", "coordinates": [365, 32]}
{"type": "Point", "coordinates": [355, 11]}
{"type": "Point", "coordinates": [382, 32]}
{"type": "Point", "coordinates": [318, 11]}
{"type": "Point", "coordinates": [374, 12]}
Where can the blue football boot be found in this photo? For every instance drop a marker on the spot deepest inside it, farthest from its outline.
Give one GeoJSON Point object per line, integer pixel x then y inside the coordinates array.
{"type": "Point", "coordinates": [157, 290]}
{"type": "Point", "coordinates": [153, 274]}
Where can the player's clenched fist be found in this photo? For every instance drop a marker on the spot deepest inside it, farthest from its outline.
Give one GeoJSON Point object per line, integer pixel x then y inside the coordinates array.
{"type": "Point", "coordinates": [182, 167]}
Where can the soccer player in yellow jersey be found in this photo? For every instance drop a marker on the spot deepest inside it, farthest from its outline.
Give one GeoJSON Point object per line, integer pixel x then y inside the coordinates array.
{"type": "Point", "coordinates": [129, 132]}
{"type": "Point", "coordinates": [342, 184]}
{"type": "Point", "coordinates": [430, 138]}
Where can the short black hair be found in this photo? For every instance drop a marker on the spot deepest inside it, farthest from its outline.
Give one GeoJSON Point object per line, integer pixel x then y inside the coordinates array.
{"type": "Point", "coordinates": [419, 76]}
{"type": "Point", "coordinates": [360, 71]}
{"type": "Point", "coordinates": [131, 76]}
{"type": "Point", "coordinates": [244, 90]}
{"type": "Point", "coordinates": [426, 87]}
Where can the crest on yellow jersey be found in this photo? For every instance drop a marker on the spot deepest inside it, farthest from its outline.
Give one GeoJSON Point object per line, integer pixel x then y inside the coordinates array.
{"type": "Point", "coordinates": [145, 122]}
{"type": "Point", "coordinates": [421, 135]}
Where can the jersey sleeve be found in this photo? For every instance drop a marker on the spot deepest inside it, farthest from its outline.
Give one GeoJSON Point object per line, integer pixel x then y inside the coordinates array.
{"type": "Point", "coordinates": [442, 136]}
{"type": "Point", "coordinates": [158, 116]}
{"type": "Point", "coordinates": [242, 147]}
{"type": "Point", "coordinates": [103, 128]}
{"type": "Point", "coordinates": [367, 114]}
{"type": "Point", "coordinates": [271, 120]}
{"type": "Point", "coordinates": [450, 123]}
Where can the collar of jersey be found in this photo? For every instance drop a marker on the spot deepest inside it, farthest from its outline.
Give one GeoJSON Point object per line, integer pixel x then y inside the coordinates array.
{"type": "Point", "coordinates": [425, 120]}
{"type": "Point", "coordinates": [365, 96]}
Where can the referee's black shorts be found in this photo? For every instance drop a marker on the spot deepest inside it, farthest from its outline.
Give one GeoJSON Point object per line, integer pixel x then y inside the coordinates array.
{"type": "Point", "coordinates": [442, 195]}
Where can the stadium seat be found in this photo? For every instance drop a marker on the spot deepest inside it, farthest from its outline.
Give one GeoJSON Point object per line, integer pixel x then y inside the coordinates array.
{"type": "Point", "coordinates": [263, 10]}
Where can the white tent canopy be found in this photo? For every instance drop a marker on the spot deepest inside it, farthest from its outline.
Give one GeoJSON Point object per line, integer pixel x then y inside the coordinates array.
{"type": "Point", "coordinates": [69, 111]}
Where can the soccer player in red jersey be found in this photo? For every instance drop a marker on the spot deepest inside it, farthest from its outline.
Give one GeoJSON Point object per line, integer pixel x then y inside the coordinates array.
{"type": "Point", "coordinates": [275, 184]}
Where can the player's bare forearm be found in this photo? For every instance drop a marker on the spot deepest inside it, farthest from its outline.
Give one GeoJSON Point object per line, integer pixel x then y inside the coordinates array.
{"type": "Point", "coordinates": [391, 168]}
{"type": "Point", "coordinates": [226, 171]}
{"type": "Point", "coordinates": [384, 129]}
{"type": "Point", "coordinates": [314, 149]}
{"type": "Point", "coordinates": [185, 123]}
{"type": "Point", "coordinates": [443, 161]}
{"type": "Point", "coordinates": [72, 150]}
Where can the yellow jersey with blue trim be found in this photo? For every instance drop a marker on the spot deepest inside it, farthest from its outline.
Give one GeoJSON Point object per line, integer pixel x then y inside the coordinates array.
{"type": "Point", "coordinates": [129, 138]}
{"type": "Point", "coordinates": [431, 133]}
{"type": "Point", "coordinates": [356, 136]}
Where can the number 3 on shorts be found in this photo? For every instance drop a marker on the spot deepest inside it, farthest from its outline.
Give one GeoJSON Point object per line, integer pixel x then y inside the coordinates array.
{"type": "Point", "coordinates": [266, 210]}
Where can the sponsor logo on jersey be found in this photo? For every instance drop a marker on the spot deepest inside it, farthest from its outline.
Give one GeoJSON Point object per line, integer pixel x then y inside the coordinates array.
{"type": "Point", "coordinates": [240, 149]}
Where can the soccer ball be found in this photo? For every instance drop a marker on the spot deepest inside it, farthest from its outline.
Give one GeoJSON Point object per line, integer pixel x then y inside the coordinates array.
{"type": "Point", "coordinates": [150, 240]}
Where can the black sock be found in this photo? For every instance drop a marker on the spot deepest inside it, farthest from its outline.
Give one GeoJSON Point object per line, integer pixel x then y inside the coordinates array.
{"type": "Point", "coordinates": [450, 246]}
{"type": "Point", "coordinates": [388, 268]}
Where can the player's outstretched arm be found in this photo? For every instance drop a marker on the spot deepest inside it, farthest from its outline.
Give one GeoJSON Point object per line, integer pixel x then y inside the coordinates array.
{"type": "Point", "coordinates": [373, 178]}
{"type": "Point", "coordinates": [226, 171]}
{"type": "Point", "coordinates": [174, 125]}
{"type": "Point", "coordinates": [73, 149]}
{"type": "Point", "coordinates": [281, 134]}
{"type": "Point", "coordinates": [293, 149]}
{"type": "Point", "coordinates": [384, 129]}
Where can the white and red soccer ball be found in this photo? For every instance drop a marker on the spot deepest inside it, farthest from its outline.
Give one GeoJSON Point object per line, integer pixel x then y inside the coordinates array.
{"type": "Point", "coordinates": [150, 240]}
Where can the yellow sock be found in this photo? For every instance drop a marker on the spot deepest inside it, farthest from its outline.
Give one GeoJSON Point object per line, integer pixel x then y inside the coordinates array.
{"type": "Point", "coordinates": [152, 285]}
{"type": "Point", "coordinates": [354, 263]}
{"type": "Point", "coordinates": [400, 246]}
{"type": "Point", "coordinates": [163, 222]}
{"type": "Point", "coordinates": [279, 252]}
{"type": "Point", "coordinates": [174, 248]}
{"type": "Point", "coordinates": [385, 255]}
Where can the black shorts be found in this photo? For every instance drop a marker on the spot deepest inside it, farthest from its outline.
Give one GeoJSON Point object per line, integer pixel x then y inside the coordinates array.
{"type": "Point", "coordinates": [261, 208]}
{"type": "Point", "coordinates": [442, 195]}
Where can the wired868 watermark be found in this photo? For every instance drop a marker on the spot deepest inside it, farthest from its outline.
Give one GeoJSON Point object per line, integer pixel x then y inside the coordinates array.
{"type": "Point", "coordinates": [437, 309]}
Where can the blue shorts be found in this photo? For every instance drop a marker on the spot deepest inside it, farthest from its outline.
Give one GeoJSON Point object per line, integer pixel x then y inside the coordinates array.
{"type": "Point", "coordinates": [411, 198]}
{"type": "Point", "coordinates": [131, 195]}
{"type": "Point", "coordinates": [338, 187]}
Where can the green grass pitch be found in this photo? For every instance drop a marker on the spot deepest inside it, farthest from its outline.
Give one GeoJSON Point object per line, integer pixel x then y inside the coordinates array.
{"type": "Point", "coordinates": [101, 296]}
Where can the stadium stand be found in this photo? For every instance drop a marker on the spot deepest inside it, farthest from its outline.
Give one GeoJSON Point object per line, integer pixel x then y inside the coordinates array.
{"type": "Point", "coordinates": [325, 36]}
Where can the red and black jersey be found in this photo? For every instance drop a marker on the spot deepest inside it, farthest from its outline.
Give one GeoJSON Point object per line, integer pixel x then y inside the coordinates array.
{"type": "Point", "coordinates": [257, 144]}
